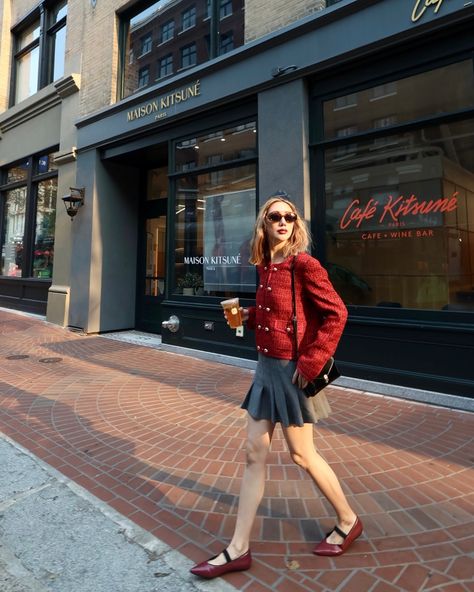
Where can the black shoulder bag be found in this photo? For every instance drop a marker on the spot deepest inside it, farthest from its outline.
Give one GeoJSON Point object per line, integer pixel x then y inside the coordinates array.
{"type": "Point", "coordinates": [329, 373]}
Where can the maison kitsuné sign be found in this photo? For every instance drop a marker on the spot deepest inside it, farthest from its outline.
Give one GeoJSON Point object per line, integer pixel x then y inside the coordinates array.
{"type": "Point", "coordinates": [421, 6]}
{"type": "Point", "coordinates": [160, 106]}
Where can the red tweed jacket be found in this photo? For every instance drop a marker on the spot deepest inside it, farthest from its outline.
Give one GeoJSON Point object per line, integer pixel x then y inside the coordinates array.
{"type": "Point", "coordinates": [320, 311]}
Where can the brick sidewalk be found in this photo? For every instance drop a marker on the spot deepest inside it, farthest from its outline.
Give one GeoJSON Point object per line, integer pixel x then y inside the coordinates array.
{"type": "Point", "coordinates": [159, 437]}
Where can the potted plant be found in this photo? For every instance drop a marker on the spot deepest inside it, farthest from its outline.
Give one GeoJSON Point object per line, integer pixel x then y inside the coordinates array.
{"type": "Point", "coordinates": [190, 283]}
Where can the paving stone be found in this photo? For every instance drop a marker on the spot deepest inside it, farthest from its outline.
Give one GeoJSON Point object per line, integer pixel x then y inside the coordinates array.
{"type": "Point", "coordinates": [159, 437]}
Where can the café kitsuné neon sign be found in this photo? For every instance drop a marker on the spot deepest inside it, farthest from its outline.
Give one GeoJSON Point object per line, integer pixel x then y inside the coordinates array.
{"type": "Point", "coordinates": [421, 6]}
{"type": "Point", "coordinates": [395, 211]}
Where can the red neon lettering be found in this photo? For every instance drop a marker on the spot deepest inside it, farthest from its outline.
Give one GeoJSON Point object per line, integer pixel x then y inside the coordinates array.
{"type": "Point", "coordinates": [356, 214]}
{"type": "Point", "coordinates": [395, 209]}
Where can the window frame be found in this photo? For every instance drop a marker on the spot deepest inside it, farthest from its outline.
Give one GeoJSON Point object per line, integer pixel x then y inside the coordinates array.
{"type": "Point", "coordinates": [30, 182]}
{"type": "Point", "coordinates": [47, 33]}
{"type": "Point", "coordinates": [166, 57]}
{"type": "Point", "coordinates": [190, 14]}
{"type": "Point", "coordinates": [363, 78]}
{"type": "Point", "coordinates": [188, 46]}
{"type": "Point", "coordinates": [229, 39]}
{"type": "Point", "coordinates": [146, 44]}
{"type": "Point", "coordinates": [176, 174]}
{"type": "Point", "coordinates": [223, 9]}
{"type": "Point", "coordinates": [165, 28]}
{"type": "Point", "coordinates": [142, 70]}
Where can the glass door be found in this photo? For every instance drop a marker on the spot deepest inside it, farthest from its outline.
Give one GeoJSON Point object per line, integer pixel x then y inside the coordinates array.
{"type": "Point", "coordinates": [151, 284]}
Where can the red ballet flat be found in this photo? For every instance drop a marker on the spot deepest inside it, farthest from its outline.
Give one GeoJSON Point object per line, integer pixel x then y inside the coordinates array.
{"type": "Point", "coordinates": [209, 571]}
{"type": "Point", "coordinates": [330, 550]}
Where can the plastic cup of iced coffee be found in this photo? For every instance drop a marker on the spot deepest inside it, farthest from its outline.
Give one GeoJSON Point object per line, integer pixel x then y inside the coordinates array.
{"type": "Point", "coordinates": [232, 312]}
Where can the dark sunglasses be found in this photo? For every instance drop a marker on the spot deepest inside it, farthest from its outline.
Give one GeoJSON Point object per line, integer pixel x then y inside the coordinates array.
{"type": "Point", "coordinates": [276, 217]}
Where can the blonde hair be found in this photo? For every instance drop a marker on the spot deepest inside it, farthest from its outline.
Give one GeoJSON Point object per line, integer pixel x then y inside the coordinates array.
{"type": "Point", "coordinates": [298, 242]}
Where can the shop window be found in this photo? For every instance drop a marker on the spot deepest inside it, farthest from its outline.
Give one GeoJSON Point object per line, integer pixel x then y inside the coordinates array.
{"type": "Point", "coordinates": [167, 31]}
{"type": "Point", "coordinates": [199, 27]}
{"type": "Point", "coordinates": [400, 219]}
{"type": "Point", "coordinates": [165, 66]}
{"type": "Point", "coordinates": [14, 231]}
{"type": "Point", "coordinates": [43, 247]}
{"type": "Point", "coordinates": [229, 144]}
{"type": "Point", "coordinates": [28, 200]}
{"type": "Point", "coordinates": [431, 93]}
{"type": "Point", "coordinates": [188, 56]}
{"type": "Point", "coordinates": [215, 214]}
{"type": "Point", "coordinates": [40, 49]}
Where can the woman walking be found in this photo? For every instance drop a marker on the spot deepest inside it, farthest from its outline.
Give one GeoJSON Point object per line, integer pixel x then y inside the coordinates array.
{"type": "Point", "coordinates": [280, 242]}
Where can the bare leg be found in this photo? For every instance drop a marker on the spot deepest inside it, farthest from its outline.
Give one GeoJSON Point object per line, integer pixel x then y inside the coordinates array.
{"type": "Point", "coordinates": [259, 437]}
{"type": "Point", "coordinates": [302, 450]}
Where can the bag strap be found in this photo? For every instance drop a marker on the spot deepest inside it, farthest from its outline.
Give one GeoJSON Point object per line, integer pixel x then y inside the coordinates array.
{"type": "Point", "coordinates": [293, 298]}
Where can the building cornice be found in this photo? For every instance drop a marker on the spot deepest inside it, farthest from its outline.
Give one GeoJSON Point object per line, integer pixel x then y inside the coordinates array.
{"type": "Point", "coordinates": [45, 99]}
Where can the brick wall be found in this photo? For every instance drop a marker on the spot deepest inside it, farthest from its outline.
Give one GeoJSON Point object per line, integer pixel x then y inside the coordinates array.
{"type": "Point", "coordinates": [99, 53]}
{"type": "Point", "coordinates": [263, 17]}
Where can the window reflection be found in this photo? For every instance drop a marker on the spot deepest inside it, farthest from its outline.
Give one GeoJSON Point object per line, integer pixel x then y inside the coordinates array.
{"type": "Point", "coordinates": [43, 253]}
{"type": "Point", "coordinates": [155, 256]}
{"type": "Point", "coordinates": [438, 91]}
{"type": "Point", "coordinates": [14, 225]}
{"type": "Point", "coordinates": [215, 147]}
{"type": "Point", "coordinates": [400, 219]}
{"type": "Point", "coordinates": [171, 35]}
{"type": "Point", "coordinates": [27, 75]}
{"type": "Point", "coordinates": [28, 218]}
{"type": "Point", "coordinates": [215, 214]}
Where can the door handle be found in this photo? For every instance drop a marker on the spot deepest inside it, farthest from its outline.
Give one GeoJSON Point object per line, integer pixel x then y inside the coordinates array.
{"type": "Point", "coordinates": [172, 324]}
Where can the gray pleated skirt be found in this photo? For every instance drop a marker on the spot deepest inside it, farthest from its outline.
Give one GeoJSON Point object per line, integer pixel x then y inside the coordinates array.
{"type": "Point", "coordinates": [274, 397]}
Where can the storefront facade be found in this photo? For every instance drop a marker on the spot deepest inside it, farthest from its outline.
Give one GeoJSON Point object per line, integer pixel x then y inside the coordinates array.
{"type": "Point", "coordinates": [363, 112]}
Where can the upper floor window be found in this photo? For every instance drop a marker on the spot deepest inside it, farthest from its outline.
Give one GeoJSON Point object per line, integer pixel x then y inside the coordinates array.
{"type": "Point", "coordinates": [226, 43]}
{"type": "Point", "coordinates": [167, 31]}
{"type": "Point", "coordinates": [188, 55]}
{"type": "Point", "coordinates": [225, 8]}
{"type": "Point", "coordinates": [146, 42]}
{"type": "Point", "coordinates": [188, 18]}
{"type": "Point", "coordinates": [165, 66]}
{"type": "Point", "coordinates": [40, 48]}
{"type": "Point", "coordinates": [144, 77]}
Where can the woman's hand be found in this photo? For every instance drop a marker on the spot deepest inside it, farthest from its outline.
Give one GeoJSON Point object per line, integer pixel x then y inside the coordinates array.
{"type": "Point", "coordinates": [299, 380]}
{"type": "Point", "coordinates": [244, 312]}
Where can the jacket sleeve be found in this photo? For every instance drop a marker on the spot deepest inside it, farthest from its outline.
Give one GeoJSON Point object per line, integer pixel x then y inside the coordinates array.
{"type": "Point", "coordinates": [317, 288]}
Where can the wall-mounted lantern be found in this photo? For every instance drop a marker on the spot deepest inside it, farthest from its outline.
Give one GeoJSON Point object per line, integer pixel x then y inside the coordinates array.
{"type": "Point", "coordinates": [74, 201]}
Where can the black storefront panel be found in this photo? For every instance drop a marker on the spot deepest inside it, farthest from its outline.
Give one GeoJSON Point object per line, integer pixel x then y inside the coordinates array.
{"type": "Point", "coordinates": [423, 356]}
